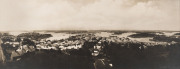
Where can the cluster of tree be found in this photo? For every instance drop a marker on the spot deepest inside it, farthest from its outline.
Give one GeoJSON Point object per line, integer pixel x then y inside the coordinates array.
{"type": "Point", "coordinates": [28, 42]}
{"type": "Point", "coordinates": [73, 38]}
{"type": "Point", "coordinates": [7, 37]}
{"type": "Point", "coordinates": [177, 34]}
{"type": "Point", "coordinates": [51, 60]}
{"type": "Point", "coordinates": [166, 39]}
{"type": "Point", "coordinates": [119, 32]}
{"type": "Point", "coordinates": [130, 56]}
{"type": "Point", "coordinates": [143, 35]}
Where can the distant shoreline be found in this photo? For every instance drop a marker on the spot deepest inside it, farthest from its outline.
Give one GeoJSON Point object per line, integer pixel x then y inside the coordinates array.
{"type": "Point", "coordinates": [92, 31]}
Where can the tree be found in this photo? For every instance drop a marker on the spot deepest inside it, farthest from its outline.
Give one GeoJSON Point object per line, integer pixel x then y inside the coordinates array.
{"type": "Point", "coordinates": [28, 42]}
{"type": "Point", "coordinates": [7, 38]}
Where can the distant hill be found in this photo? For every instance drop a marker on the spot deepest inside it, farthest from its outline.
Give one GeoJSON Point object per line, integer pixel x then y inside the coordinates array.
{"type": "Point", "coordinates": [177, 34]}
{"type": "Point", "coordinates": [142, 35]}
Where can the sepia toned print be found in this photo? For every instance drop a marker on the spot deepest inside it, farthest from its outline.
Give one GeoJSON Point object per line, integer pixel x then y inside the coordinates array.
{"type": "Point", "coordinates": [89, 34]}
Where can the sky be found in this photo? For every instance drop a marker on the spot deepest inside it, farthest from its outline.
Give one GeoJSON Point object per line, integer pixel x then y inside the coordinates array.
{"type": "Point", "coordinates": [89, 15]}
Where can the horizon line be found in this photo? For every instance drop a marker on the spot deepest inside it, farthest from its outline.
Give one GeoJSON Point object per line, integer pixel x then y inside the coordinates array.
{"type": "Point", "coordinates": [90, 30]}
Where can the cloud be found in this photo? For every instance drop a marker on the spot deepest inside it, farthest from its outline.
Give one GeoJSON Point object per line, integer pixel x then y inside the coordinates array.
{"type": "Point", "coordinates": [90, 14]}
